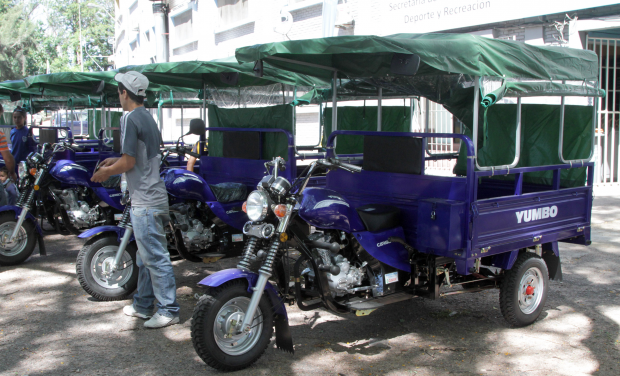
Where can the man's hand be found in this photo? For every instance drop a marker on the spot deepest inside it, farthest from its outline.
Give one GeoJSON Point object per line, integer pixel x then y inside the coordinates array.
{"type": "Point", "coordinates": [108, 162]}
{"type": "Point", "coordinates": [101, 175]}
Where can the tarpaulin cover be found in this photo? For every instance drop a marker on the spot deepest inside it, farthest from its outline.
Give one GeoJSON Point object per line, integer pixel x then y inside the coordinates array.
{"type": "Point", "coordinates": [371, 56]}
{"type": "Point", "coordinates": [274, 144]}
{"type": "Point", "coordinates": [540, 127]}
{"type": "Point", "coordinates": [94, 122]}
{"type": "Point", "coordinates": [193, 74]}
{"type": "Point", "coordinates": [394, 119]}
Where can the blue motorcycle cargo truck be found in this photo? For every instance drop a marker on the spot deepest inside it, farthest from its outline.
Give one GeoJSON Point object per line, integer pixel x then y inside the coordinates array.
{"type": "Point", "coordinates": [383, 229]}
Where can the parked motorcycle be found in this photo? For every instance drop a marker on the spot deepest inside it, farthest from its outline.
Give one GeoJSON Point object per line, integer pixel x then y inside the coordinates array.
{"type": "Point", "coordinates": [205, 224]}
{"type": "Point", "coordinates": [59, 191]}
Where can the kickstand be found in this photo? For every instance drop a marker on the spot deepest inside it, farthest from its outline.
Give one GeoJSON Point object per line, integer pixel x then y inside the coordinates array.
{"type": "Point", "coordinates": [42, 251]}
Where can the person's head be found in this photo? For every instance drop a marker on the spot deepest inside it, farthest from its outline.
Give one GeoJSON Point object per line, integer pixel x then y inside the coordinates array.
{"type": "Point", "coordinates": [4, 174]}
{"type": "Point", "coordinates": [131, 89]}
{"type": "Point", "coordinates": [19, 117]}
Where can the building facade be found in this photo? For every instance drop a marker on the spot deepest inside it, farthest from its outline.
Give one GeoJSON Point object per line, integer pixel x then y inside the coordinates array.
{"type": "Point", "coordinates": [150, 31]}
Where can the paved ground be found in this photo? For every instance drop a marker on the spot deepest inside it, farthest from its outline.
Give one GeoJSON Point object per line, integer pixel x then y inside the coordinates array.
{"type": "Point", "coordinates": [49, 326]}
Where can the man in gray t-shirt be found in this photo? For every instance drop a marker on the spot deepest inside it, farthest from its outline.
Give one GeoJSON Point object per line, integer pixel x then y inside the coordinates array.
{"type": "Point", "coordinates": [140, 160]}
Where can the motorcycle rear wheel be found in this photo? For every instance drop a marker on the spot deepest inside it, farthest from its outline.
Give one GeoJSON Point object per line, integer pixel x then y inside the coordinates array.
{"type": "Point", "coordinates": [90, 264]}
{"type": "Point", "coordinates": [18, 251]}
{"type": "Point", "coordinates": [212, 320]}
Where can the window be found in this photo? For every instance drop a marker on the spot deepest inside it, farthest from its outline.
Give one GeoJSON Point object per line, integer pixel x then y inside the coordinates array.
{"type": "Point", "coordinates": [233, 11]}
{"type": "Point", "coordinates": [182, 27]}
{"type": "Point", "coordinates": [133, 45]}
{"type": "Point", "coordinates": [133, 7]}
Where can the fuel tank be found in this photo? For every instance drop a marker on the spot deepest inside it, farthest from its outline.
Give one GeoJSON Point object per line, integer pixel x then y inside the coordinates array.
{"type": "Point", "coordinates": [69, 172]}
{"type": "Point", "coordinates": [187, 185]}
{"type": "Point", "coordinates": [327, 209]}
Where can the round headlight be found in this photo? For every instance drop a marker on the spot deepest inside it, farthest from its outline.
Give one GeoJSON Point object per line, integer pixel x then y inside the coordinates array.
{"type": "Point", "coordinates": [22, 170]}
{"type": "Point", "coordinates": [257, 206]}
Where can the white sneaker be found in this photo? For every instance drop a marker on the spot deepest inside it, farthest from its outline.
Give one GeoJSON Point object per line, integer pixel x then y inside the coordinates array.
{"type": "Point", "coordinates": [159, 321]}
{"type": "Point", "coordinates": [131, 311]}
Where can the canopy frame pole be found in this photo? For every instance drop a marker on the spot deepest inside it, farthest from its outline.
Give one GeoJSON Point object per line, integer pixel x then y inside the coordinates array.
{"type": "Point", "coordinates": [475, 133]}
{"type": "Point", "coordinates": [300, 63]}
{"type": "Point", "coordinates": [334, 106]}
{"type": "Point", "coordinates": [204, 102]}
{"type": "Point", "coordinates": [561, 142]}
{"type": "Point", "coordinates": [380, 97]}
{"type": "Point", "coordinates": [411, 113]}
{"type": "Point", "coordinates": [182, 122]}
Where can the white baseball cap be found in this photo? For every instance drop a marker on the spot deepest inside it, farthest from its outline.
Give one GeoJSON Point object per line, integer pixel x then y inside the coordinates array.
{"type": "Point", "coordinates": [133, 81]}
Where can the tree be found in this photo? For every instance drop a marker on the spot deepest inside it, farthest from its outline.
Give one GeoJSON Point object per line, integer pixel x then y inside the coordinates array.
{"type": "Point", "coordinates": [18, 39]}
{"type": "Point", "coordinates": [62, 34]}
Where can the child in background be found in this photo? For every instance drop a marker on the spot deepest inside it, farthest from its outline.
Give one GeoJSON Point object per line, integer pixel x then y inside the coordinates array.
{"type": "Point", "coordinates": [9, 186]}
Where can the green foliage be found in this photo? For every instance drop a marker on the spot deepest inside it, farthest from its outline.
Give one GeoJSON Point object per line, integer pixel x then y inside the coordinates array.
{"type": "Point", "coordinates": [62, 34]}
{"type": "Point", "coordinates": [37, 34]}
{"type": "Point", "coordinates": [18, 37]}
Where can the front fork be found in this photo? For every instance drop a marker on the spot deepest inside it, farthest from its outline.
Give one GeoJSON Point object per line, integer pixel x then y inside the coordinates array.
{"type": "Point", "coordinates": [126, 224]}
{"type": "Point", "coordinates": [25, 205]}
{"type": "Point", "coordinates": [265, 271]}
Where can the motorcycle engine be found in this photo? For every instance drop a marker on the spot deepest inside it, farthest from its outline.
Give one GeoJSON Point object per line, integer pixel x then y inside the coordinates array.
{"type": "Point", "coordinates": [195, 233]}
{"type": "Point", "coordinates": [349, 276]}
{"type": "Point", "coordinates": [80, 214]}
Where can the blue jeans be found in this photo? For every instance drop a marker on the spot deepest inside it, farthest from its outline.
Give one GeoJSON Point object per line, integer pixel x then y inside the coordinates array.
{"type": "Point", "coordinates": [155, 275]}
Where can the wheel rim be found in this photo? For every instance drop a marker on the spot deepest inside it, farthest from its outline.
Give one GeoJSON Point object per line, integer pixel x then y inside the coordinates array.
{"type": "Point", "coordinates": [531, 290]}
{"type": "Point", "coordinates": [228, 322]}
{"type": "Point", "coordinates": [8, 248]}
{"type": "Point", "coordinates": [102, 262]}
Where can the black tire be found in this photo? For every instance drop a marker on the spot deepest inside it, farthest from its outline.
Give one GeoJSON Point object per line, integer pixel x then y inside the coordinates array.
{"type": "Point", "coordinates": [203, 332]}
{"type": "Point", "coordinates": [521, 313]}
{"type": "Point", "coordinates": [104, 246]}
{"type": "Point", "coordinates": [15, 254]}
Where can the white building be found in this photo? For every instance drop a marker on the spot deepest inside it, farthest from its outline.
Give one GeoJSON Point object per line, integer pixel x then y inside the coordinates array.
{"type": "Point", "coordinates": [210, 29]}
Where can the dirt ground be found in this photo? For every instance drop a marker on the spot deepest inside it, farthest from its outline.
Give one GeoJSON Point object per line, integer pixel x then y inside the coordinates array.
{"type": "Point", "coordinates": [49, 326]}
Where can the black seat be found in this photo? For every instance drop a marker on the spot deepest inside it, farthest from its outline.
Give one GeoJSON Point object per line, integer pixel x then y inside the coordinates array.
{"type": "Point", "coordinates": [378, 217]}
{"type": "Point", "coordinates": [228, 192]}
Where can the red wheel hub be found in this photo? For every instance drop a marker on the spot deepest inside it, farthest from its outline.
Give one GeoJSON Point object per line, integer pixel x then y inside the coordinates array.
{"type": "Point", "coordinates": [529, 290]}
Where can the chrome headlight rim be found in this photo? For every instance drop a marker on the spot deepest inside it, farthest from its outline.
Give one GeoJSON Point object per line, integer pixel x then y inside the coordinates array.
{"type": "Point", "coordinates": [257, 205]}
{"type": "Point", "coordinates": [22, 170]}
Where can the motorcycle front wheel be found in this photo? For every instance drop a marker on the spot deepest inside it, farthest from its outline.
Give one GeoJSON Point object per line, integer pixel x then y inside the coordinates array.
{"type": "Point", "coordinates": [95, 260]}
{"type": "Point", "coordinates": [17, 251]}
{"type": "Point", "coordinates": [217, 320]}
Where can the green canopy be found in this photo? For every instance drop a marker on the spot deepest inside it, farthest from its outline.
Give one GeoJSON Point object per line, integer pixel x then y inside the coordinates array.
{"type": "Point", "coordinates": [193, 74]}
{"type": "Point", "coordinates": [440, 54]}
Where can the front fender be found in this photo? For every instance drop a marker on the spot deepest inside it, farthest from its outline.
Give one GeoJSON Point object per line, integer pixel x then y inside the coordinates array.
{"type": "Point", "coordinates": [17, 210]}
{"type": "Point", "coordinates": [223, 276]}
{"type": "Point", "coordinates": [102, 229]}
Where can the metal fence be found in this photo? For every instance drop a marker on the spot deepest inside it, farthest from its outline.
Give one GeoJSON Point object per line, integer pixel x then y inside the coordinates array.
{"type": "Point", "coordinates": [607, 166]}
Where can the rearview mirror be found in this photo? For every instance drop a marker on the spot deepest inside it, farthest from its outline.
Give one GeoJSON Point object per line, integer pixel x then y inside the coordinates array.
{"type": "Point", "coordinates": [98, 87]}
{"type": "Point", "coordinates": [15, 96]}
{"type": "Point", "coordinates": [405, 64]}
{"type": "Point", "coordinates": [197, 127]}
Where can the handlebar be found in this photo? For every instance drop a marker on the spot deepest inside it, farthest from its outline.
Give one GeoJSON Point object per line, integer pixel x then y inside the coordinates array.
{"type": "Point", "coordinates": [331, 162]}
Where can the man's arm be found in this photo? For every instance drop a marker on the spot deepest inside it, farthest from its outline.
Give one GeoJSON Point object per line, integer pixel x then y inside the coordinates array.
{"type": "Point", "coordinates": [9, 162]}
{"type": "Point", "coordinates": [122, 164]}
{"type": "Point", "coordinates": [190, 164]}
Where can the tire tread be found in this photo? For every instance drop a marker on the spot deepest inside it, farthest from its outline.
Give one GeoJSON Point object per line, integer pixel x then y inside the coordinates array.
{"type": "Point", "coordinates": [506, 303]}
{"type": "Point", "coordinates": [79, 269]}
{"type": "Point", "coordinates": [198, 336]}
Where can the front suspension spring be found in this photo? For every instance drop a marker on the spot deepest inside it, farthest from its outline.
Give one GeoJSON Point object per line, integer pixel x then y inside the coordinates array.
{"type": "Point", "coordinates": [125, 221]}
{"type": "Point", "coordinates": [271, 255]}
{"type": "Point", "coordinates": [248, 251]}
{"type": "Point", "coordinates": [25, 203]}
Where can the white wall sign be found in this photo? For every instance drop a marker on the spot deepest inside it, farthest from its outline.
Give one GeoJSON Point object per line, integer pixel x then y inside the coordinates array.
{"type": "Point", "coordinates": [424, 16]}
